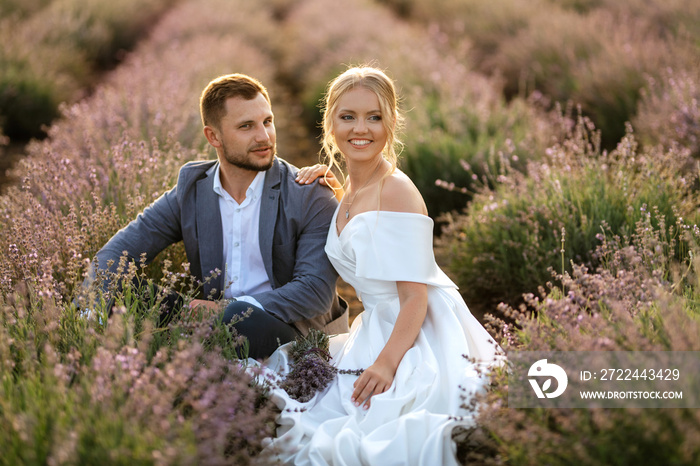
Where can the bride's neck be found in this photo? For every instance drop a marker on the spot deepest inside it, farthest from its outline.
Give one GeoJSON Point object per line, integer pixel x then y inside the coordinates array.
{"type": "Point", "coordinates": [361, 174]}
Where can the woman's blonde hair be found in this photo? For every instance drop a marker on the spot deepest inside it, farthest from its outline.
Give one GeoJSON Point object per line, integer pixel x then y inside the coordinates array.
{"type": "Point", "coordinates": [378, 82]}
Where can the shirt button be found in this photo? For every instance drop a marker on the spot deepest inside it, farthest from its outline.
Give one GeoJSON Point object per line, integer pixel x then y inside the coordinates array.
{"type": "Point", "coordinates": [236, 244]}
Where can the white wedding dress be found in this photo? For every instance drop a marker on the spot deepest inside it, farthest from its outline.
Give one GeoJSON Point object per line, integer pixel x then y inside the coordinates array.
{"type": "Point", "coordinates": [411, 423]}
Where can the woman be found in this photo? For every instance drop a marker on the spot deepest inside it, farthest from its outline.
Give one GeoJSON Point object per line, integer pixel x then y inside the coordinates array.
{"type": "Point", "coordinates": [415, 336]}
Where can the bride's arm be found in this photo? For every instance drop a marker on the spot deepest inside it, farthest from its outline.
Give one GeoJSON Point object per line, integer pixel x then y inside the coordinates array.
{"type": "Point", "coordinates": [399, 194]}
{"type": "Point", "coordinates": [378, 377]}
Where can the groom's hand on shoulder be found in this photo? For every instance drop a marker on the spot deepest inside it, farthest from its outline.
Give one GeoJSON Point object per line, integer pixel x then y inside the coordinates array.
{"type": "Point", "coordinates": [307, 175]}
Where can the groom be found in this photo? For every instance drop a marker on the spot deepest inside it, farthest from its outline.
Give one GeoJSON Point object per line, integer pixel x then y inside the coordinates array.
{"type": "Point", "coordinates": [245, 215]}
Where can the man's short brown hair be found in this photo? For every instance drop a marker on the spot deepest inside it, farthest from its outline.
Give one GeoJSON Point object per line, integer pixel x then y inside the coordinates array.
{"type": "Point", "coordinates": [212, 104]}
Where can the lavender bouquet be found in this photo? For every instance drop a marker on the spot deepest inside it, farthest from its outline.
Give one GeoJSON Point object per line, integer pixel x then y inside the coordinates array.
{"type": "Point", "coordinates": [311, 370]}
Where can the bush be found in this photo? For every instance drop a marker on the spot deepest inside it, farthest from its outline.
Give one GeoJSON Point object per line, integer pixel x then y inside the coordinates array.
{"type": "Point", "coordinates": [667, 18]}
{"type": "Point", "coordinates": [21, 9]}
{"type": "Point", "coordinates": [34, 101]}
{"type": "Point", "coordinates": [509, 238]}
{"type": "Point", "coordinates": [637, 300]}
{"type": "Point", "coordinates": [34, 79]}
{"type": "Point", "coordinates": [50, 54]}
{"type": "Point", "coordinates": [485, 24]}
{"type": "Point", "coordinates": [596, 53]}
{"type": "Point", "coordinates": [449, 134]}
{"type": "Point", "coordinates": [80, 390]}
{"type": "Point", "coordinates": [669, 112]}
{"type": "Point", "coordinates": [594, 60]}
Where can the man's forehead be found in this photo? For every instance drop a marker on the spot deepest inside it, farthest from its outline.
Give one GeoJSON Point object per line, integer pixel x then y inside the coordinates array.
{"type": "Point", "coordinates": [240, 108]}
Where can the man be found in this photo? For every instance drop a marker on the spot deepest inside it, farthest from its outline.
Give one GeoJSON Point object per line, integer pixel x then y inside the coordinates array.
{"type": "Point", "coordinates": [245, 215]}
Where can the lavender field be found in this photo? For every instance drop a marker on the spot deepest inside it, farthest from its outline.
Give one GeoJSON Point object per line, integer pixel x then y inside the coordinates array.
{"type": "Point", "coordinates": [555, 142]}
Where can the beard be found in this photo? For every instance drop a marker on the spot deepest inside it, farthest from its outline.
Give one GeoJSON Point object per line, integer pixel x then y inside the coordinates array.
{"type": "Point", "coordinates": [243, 161]}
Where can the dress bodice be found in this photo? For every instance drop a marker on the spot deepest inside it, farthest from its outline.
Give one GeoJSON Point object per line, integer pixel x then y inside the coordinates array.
{"type": "Point", "coordinates": [378, 248]}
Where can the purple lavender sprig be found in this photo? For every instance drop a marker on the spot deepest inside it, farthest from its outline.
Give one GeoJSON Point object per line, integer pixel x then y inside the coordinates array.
{"type": "Point", "coordinates": [311, 370]}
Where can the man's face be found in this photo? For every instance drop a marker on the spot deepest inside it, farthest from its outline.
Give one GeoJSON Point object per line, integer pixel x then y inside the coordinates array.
{"type": "Point", "coordinates": [247, 134]}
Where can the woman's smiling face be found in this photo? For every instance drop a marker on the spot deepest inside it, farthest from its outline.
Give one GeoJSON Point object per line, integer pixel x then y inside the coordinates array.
{"type": "Point", "coordinates": [358, 128]}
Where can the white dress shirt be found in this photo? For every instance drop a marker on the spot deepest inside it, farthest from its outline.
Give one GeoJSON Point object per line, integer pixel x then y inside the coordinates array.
{"type": "Point", "coordinates": [244, 268]}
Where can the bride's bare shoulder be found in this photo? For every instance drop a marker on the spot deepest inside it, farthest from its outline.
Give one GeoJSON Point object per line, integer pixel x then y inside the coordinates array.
{"type": "Point", "coordinates": [399, 194]}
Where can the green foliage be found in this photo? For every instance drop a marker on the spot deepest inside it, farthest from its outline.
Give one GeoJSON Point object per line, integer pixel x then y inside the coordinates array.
{"type": "Point", "coordinates": [33, 100]}
{"type": "Point", "coordinates": [486, 24]}
{"type": "Point", "coordinates": [512, 236]}
{"type": "Point", "coordinates": [595, 53]}
{"type": "Point", "coordinates": [51, 50]}
{"type": "Point", "coordinates": [34, 80]}
{"type": "Point", "coordinates": [586, 59]}
{"type": "Point", "coordinates": [669, 111]}
{"type": "Point", "coordinates": [452, 144]}
{"type": "Point", "coordinates": [316, 339]}
{"type": "Point", "coordinates": [91, 388]}
{"type": "Point", "coordinates": [21, 8]}
{"type": "Point", "coordinates": [637, 300]}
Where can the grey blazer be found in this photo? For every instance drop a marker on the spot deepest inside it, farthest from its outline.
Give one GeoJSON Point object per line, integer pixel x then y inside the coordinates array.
{"type": "Point", "coordinates": [294, 222]}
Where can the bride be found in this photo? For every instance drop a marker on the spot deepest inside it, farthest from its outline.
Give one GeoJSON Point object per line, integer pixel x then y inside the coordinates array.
{"type": "Point", "coordinates": [422, 351]}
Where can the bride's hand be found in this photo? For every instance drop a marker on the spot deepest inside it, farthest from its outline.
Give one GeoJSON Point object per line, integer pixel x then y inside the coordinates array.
{"type": "Point", "coordinates": [374, 380]}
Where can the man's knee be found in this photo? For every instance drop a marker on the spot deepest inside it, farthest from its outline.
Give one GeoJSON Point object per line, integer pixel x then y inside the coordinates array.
{"type": "Point", "coordinates": [263, 331]}
{"type": "Point", "coordinates": [239, 311]}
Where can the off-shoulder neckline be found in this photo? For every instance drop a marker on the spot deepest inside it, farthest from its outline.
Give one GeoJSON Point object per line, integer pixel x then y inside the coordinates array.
{"type": "Point", "coordinates": [377, 212]}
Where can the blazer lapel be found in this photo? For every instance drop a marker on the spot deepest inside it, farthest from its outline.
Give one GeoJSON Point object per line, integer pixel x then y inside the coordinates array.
{"type": "Point", "coordinates": [269, 205]}
{"type": "Point", "coordinates": [209, 231]}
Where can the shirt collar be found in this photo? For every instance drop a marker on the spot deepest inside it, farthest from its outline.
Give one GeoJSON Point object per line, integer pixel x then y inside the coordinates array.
{"type": "Point", "coordinates": [253, 192]}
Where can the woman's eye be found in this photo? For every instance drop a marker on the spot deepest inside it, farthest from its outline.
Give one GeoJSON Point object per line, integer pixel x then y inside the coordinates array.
{"type": "Point", "coordinates": [346, 117]}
